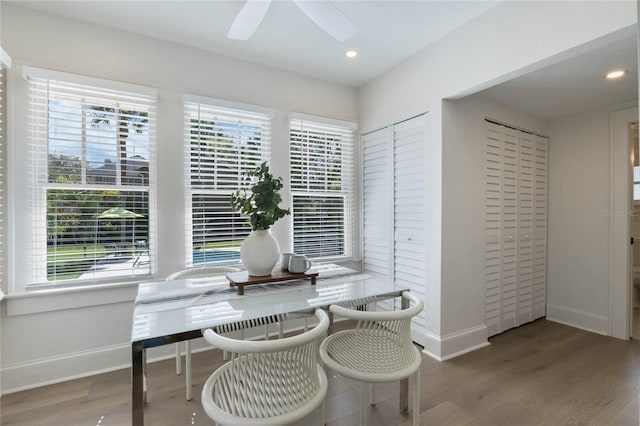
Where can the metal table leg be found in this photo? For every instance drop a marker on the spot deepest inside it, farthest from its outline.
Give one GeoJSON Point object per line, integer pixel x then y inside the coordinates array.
{"type": "Point", "coordinates": [404, 383]}
{"type": "Point", "coordinates": [137, 387]}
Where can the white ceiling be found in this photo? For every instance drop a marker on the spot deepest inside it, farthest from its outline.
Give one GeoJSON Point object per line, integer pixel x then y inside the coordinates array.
{"type": "Point", "coordinates": [575, 84]}
{"type": "Point", "coordinates": [388, 31]}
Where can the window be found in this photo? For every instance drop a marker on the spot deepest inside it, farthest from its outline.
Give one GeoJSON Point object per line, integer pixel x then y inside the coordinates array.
{"type": "Point", "coordinates": [221, 144]}
{"type": "Point", "coordinates": [321, 161]}
{"type": "Point", "coordinates": [3, 81]}
{"type": "Point", "coordinates": [92, 156]}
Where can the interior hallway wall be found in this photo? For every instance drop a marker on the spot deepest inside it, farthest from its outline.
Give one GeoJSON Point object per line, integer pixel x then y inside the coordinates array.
{"type": "Point", "coordinates": [464, 129]}
{"type": "Point", "coordinates": [579, 219]}
{"type": "Point", "coordinates": [480, 54]}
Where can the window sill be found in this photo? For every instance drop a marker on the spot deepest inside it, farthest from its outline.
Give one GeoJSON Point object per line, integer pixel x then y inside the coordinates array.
{"type": "Point", "coordinates": [70, 298]}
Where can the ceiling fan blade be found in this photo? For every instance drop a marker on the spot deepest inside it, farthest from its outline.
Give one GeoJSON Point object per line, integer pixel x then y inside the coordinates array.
{"type": "Point", "coordinates": [248, 19]}
{"type": "Point", "coordinates": [328, 17]}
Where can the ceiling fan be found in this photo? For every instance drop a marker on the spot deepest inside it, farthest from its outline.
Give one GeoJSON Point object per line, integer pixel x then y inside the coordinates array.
{"type": "Point", "coordinates": [327, 16]}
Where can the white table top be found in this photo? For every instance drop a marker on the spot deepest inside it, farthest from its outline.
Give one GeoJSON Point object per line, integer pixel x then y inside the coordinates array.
{"type": "Point", "coordinates": [164, 308]}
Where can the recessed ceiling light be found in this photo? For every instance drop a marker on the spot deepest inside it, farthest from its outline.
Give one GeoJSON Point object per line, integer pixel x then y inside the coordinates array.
{"type": "Point", "coordinates": [351, 53]}
{"type": "Point", "coordinates": [616, 74]}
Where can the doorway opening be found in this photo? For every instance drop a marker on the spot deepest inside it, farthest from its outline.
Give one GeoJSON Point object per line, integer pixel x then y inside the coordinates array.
{"type": "Point", "coordinates": [635, 232]}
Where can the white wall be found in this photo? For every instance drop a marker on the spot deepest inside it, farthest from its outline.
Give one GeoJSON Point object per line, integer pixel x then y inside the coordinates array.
{"type": "Point", "coordinates": [90, 331]}
{"type": "Point", "coordinates": [463, 219]}
{"type": "Point", "coordinates": [510, 40]}
{"type": "Point", "coordinates": [579, 199]}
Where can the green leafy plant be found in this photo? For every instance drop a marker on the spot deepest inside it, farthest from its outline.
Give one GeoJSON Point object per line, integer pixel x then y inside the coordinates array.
{"type": "Point", "coordinates": [260, 201]}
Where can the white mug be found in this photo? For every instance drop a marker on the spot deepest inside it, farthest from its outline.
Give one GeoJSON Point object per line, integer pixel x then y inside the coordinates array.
{"type": "Point", "coordinates": [298, 264]}
{"type": "Point", "coordinates": [284, 261]}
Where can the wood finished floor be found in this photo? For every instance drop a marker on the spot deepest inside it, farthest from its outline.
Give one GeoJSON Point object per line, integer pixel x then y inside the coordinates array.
{"type": "Point", "coordinates": [543, 373]}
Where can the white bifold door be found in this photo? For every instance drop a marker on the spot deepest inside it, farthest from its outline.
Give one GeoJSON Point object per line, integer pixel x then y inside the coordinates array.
{"type": "Point", "coordinates": [515, 227]}
{"type": "Point", "coordinates": [394, 207]}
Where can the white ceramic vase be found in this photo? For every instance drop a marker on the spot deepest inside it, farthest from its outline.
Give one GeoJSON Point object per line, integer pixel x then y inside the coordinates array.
{"type": "Point", "coordinates": [259, 252]}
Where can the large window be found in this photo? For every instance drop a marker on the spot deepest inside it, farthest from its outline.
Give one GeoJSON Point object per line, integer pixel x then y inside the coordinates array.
{"type": "Point", "coordinates": [321, 161]}
{"type": "Point", "coordinates": [222, 144]}
{"type": "Point", "coordinates": [92, 154]}
{"type": "Point", "coordinates": [4, 59]}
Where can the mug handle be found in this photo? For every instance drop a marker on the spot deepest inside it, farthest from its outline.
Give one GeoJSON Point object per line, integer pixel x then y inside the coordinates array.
{"type": "Point", "coordinates": [307, 265]}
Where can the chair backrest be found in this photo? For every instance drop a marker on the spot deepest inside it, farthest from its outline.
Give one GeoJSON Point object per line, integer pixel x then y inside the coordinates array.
{"type": "Point", "coordinates": [205, 271]}
{"type": "Point", "coordinates": [392, 325]}
{"type": "Point", "coordinates": [269, 378]}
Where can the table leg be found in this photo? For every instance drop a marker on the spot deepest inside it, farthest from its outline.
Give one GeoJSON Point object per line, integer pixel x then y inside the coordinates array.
{"type": "Point", "coordinates": [404, 383]}
{"type": "Point", "coordinates": [137, 390]}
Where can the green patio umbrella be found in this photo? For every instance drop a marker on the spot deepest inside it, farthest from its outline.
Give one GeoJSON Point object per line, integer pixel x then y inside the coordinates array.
{"type": "Point", "coordinates": [120, 213]}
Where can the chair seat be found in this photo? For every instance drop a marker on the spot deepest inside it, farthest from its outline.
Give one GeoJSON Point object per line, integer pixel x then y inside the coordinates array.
{"type": "Point", "coordinates": [370, 357]}
{"type": "Point", "coordinates": [280, 397]}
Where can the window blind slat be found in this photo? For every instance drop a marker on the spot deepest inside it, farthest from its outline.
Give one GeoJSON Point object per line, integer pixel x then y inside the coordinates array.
{"type": "Point", "coordinates": [321, 176]}
{"type": "Point", "coordinates": [92, 153]}
{"type": "Point", "coordinates": [221, 145]}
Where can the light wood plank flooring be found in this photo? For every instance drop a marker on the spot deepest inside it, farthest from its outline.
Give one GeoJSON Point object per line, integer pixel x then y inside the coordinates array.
{"type": "Point", "coordinates": [539, 374]}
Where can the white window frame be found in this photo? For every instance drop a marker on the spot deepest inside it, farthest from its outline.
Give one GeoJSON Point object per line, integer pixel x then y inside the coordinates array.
{"type": "Point", "coordinates": [348, 180]}
{"type": "Point", "coordinates": [5, 64]}
{"type": "Point", "coordinates": [29, 276]}
{"type": "Point", "coordinates": [236, 113]}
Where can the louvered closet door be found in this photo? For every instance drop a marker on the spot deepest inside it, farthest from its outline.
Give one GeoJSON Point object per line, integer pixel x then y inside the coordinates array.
{"type": "Point", "coordinates": [525, 227]}
{"type": "Point", "coordinates": [493, 207]}
{"type": "Point", "coordinates": [509, 228]}
{"type": "Point", "coordinates": [515, 227]}
{"type": "Point", "coordinates": [541, 149]}
{"type": "Point", "coordinates": [394, 209]}
{"type": "Point", "coordinates": [376, 187]}
{"type": "Point", "coordinates": [410, 211]}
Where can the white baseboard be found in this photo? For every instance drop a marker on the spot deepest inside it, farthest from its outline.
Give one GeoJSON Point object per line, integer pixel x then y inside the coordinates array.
{"type": "Point", "coordinates": [47, 371]}
{"type": "Point", "coordinates": [579, 319]}
{"type": "Point", "coordinates": [455, 344]}
{"type": "Point", "coordinates": [27, 375]}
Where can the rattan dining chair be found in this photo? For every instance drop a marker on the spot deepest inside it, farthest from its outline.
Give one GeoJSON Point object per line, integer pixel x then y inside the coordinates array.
{"type": "Point", "coordinates": [202, 272]}
{"type": "Point", "coordinates": [272, 382]}
{"type": "Point", "coordinates": [378, 350]}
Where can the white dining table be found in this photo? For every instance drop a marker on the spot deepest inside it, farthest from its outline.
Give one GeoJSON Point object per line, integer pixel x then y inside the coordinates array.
{"type": "Point", "coordinates": [172, 311]}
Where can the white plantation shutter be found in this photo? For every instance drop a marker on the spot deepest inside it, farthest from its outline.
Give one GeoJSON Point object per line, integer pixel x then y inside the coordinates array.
{"type": "Point", "coordinates": [410, 226]}
{"type": "Point", "coordinates": [221, 145]}
{"type": "Point", "coordinates": [525, 227]}
{"type": "Point", "coordinates": [509, 227]}
{"type": "Point", "coordinates": [376, 188]}
{"type": "Point", "coordinates": [92, 179]}
{"type": "Point", "coordinates": [321, 161]}
{"type": "Point", "coordinates": [540, 170]}
{"type": "Point", "coordinates": [493, 220]}
{"type": "Point", "coordinates": [394, 209]}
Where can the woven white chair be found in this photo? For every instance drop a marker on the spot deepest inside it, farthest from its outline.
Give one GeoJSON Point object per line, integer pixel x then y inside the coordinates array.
{"type": "Point", "coordinates": [272, 382]}
{"type": "Point", "coordinates": [378, 350]}
{"type": "Point", "coordinates": [203, 272]}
